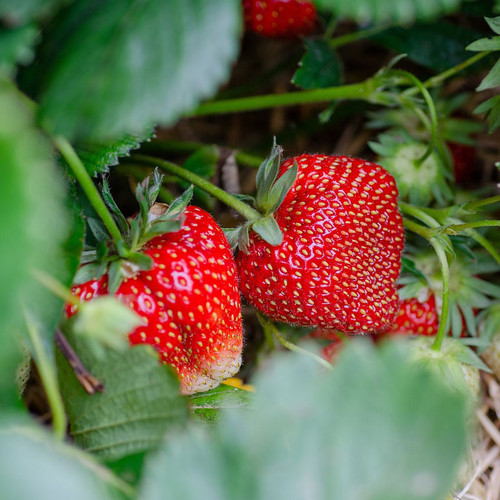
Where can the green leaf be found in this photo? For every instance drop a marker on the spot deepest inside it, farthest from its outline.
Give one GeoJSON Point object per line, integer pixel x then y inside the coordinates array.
{"type": "Point", "coordinates": [485, 44]}
{"type": "Point", "coordinates": [492, 79]}
{"type": "Point", "coordinates": [419, 43]}
{"type": "Point", "coordinates": [34, 225]}
{"type": "Point", "coordinates": [16, 46]}
{"type": "Point", "coordinates": [139, 62]}
{"type": "Point", "coordinates": [139, 404]}
{"type": "Point", "coordinates": [343, 434]}
{"type": "Point", "coordinates": [97, 158]}
{"type": "Point", "coordinates": [267, 228]}
{"type": "Point", "coordinates": [209, 406]}
{"type": "Point", "coordinates": [55, 470]}
{"type": "Point", "coordinates": [319, 67]}
{"type": "Point", "coordinates": [494, 24]}
{"type": "Point", "coordinates": [389, 11]}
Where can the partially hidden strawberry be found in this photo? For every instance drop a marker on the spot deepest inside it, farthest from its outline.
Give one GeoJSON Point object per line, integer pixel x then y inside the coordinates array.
{"type": "Point", "coordinates": [464, 161]}
{"type": "Point", "coordinates": [188, 300]}
{"type": "Point", "coordinates": [339, 256]}
{"type": "Point", "coordinates": [280, 18]}
{"type": "Point", "coordinates": [421, 302]}
{"type": "Point", "coordinates": [332, 349]}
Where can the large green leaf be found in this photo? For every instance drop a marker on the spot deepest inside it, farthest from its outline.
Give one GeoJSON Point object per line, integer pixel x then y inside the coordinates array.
{"type": "Point", "coordinates": [33, 221]}
{"type": "Point", "coordinates": [389, 11]}
{"type": "Point", "coordinates": [118, 66]}
{"type": "Point", "coordinates": [319, 67]}
{"type": "Point", "coordinates": [419, 42]}
{"type": "Point", "coordinates": [32, 465]}
{"type": "Point", "coordinates": [375, 428]}
{"type": "Point", "coordinates": [139, 404]}
{"type": "Point", "coordinates": [97, 158]}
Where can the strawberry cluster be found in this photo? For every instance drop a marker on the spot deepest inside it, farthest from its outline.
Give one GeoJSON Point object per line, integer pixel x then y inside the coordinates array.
{"type": "Point", "coordinates": [325, 253]}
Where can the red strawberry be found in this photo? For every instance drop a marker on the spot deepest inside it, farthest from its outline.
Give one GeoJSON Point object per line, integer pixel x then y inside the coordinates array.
{"type": "Point", "coordinates": [280, 18]}
{"type": "Point", "coordinates": [340, 253]}
{"type": "Point", "coordinates": [416, 317]}
{"type": "Point", "coordinates": [189, 300]}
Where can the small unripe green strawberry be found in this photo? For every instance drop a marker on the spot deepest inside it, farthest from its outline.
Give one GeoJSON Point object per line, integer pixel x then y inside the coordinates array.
{"type": "Point", "coordinates": [455, 364]}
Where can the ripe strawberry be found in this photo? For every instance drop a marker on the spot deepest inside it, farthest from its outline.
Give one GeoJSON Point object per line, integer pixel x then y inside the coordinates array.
{"type": "Point", "coordinates": [189, 301]}
{"type": "Point", "coordinates": [340, 251]}
{"type": "Point", "coordinates": [280, 18]}
{"type": "Point", "coordinates": [417, 317]}
{"type": "Point", "coordinates": [420, 306]}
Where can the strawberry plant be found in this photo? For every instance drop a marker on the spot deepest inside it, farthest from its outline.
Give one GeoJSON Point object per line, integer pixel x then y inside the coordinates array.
{"type": "Point", "coordinates": [249, 249]}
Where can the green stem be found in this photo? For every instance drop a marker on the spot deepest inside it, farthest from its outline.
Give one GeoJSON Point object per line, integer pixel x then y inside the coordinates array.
{"type": "Point", "coordinates": [454, 229]}
{"type": "Point", "coordinates": [418, 213]}
{"type": "Point", "coordinates": [417, 229]}
{"type": "Point", "coordinates": [49, 380]}
{"type": "Point", "coordinates": [445, 272]}
{"type": "Point", "coordinates": [432, 111]}
{"type": "Point", "coordinates": [88, 187]}
{"type": "Point", "coordinates": [486, 244]}
{"type": "Point", "coordinates": [436, 80]}
{"type": "Point", "coordinates": [357, 35]}
{"type": "Point", "coordinates": [266, 324]}
{"type": "Point", "coordinates": [368, 90]}
{"type": "Point", "coordinates": [473, 206]}
{"type": "Point", "coordinates": [231, 201]}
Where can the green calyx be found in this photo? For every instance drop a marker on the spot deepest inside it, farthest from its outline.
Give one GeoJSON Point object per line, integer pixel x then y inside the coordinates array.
{"type": "Point", "coordinates": [271, 191]}
{"type": "Point", "coordinates": [125, 258]}
{"type": "Point", "coordinates": [455, 364]}
{"type": "Point", "coordinates": [420, 178]}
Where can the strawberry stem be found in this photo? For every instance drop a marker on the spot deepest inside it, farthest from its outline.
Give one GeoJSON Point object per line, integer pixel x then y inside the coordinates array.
{"type": "Point", "coordinates": [473, 206]}
{"type": "Point", "coordinates": [242, 208]}
{"type": "Point", "coordinates": [445, 273]}
{"type": "Point", "coordinates": [368, 90]}
{"type": "Point", "coordinates": [271, 327]}
{"type": "Point", "coordinates": [49, 380]}
{"type": "Point", "coordinates": [454, 229]}
{"type": "Point", "coordinates": [88, 187]}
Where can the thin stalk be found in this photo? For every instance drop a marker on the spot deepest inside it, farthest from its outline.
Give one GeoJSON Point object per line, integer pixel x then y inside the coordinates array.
{"type": "Point", "coordinates": [242, 208]}
{"type": "Point", "coordinates": [454, 229]}
{"type": "Point", "coordinates": [418, 213]}
{"type": "Point", "coordinates": [266, 324]}
{"type": "Point", "coordinates": [49, 381]}
{"type": "Point", "coordinates": [436, 80]}
{"type": "Point", "coordinates": [445, 273]}
{"type": "Point", "coordinates": [368, 90]}
{"type": "Point", "coordinates": [486, 244]}
{"type": "Point", "coordinates": [357, 35]}
{"type": "Point", "coordinates": [417, 229]}
{"type": "Point", "coordinates": [88, 187]}
{"type": "Point", "coordinates": [473, 206]}
{"type": "Point", "coordinates": [432, 111]}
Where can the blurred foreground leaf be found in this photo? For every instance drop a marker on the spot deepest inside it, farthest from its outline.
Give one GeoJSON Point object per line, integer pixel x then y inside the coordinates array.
{"type": "Point", "coordinates": [375, 428]}
{"type": "Point", "coordinates": [33, 221]}
{"type": "Point", "coordinates": [389, 11]}
{"type": "Point", "coordinates": [138, 63]}
{"type": "Point", "coordinates": [34, 466]}
{"type": "Point", "coordinates": [139, 404]}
